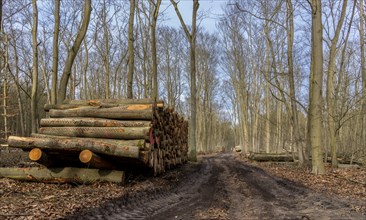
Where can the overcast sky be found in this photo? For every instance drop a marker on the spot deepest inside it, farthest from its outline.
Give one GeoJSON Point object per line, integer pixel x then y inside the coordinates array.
{"type": "Point", "coordinates": [211, 9]}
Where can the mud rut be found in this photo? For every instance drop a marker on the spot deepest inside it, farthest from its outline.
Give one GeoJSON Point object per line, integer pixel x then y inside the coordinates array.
{"type": "Point", "coordinates": [221, 187]}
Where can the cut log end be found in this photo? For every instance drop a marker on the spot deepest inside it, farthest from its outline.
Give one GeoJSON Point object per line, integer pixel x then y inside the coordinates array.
{"type": "Point", "coordinates": [95, 161]}
{"type": "Point", "coordinates": [86, 156]}
{"type": "Point", "coordinates": [35, 154]}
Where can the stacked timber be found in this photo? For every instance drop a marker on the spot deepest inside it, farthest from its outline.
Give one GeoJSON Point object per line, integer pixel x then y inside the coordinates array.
{"type": "Point", "coordinates": [105, 134]}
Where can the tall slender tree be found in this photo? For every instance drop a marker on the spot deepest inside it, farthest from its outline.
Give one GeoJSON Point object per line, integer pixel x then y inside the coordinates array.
{"type": "Point", "coordinates": [71, 54]}
{"type": "Point", "coordinates": [191, 36]}
{"type": "Point", "coordinates": [294, 114]}
{"type": "Point", "coordinates": [34, 67]}
{"type": "Point", "coordinates": [131, 50]}
{"type": "Point", "coordinates": [316, 85]}
{"type": "Point", "coordinates": [56, 30]}
{"type": "Point", "coordinates": [330, 95]}
{"type": "Point", "coordinates": [153, 50]}
{"type": "Point", "coordinates": [363, 74]}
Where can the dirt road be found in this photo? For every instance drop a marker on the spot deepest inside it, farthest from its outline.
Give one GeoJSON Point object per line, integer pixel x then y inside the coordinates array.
{"type": "Point", "coordinates": [222, 187]}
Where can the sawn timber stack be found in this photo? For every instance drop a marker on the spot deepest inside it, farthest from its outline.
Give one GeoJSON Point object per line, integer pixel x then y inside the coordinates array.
{"type": "Point", "coordinates": [108, 134]}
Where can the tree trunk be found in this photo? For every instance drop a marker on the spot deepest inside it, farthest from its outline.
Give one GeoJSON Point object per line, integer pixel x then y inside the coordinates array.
{"type": "Point", "coordinates": [34, 68]}
{"type": "Point", "coordinates": [63, 175]}
{"type": "Point", "coordinates": [267, 95]}
{"type": "Point", "coordinates": [106, 55]}
{"type": "Point", "coordinates": [48, 107]}
{"type": "Point", "coordinates": [73, 52]}
{"type": "Point", "coordinates": [91, 122]}
{"type": "Point", "coordinates": [5, 85]}
{"type": "Point", "coordinates": [131, 50]}
{"type": "Point", "coordinates": [111, 113]}
{"type": "Point", "coordinates": [85, 71]}
{"type": "Point", "coordinates": [330, 88]}
{"type": "Point", "coordinates": [296, 134]}
{"type": "Point", "coordinates": [315, 93]}
{"type": "Point", "coordinates": [99, 102]}
{"type": "Point", "coordinates": [56, 30]}
{"type": "Point", "coordinates": [94, 161]}
{"type": "Point", "coordinates": [363, 72]}
{"type": "Point", "coordinates": [265, 157]}
{"type": "Point", "coordinates": [153, 50]}
{"type": "Point", "coordinates": [18, 90]}
{"type": "Point", "coordinates": [126, 133]}
{"type": "Point", "coordinates": [102, 146]}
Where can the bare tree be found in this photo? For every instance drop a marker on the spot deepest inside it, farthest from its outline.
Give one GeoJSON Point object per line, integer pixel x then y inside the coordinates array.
{"type": "Point", "coordinates": [330, 95]}
{"type": "Point", "coordinates": [192, 42]}
{"type": "Point", "coordinates": [73, 52]}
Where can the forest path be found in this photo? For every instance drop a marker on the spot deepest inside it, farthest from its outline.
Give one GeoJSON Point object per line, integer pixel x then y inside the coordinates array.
{"type": "Point", "coordinates": [223, 187]}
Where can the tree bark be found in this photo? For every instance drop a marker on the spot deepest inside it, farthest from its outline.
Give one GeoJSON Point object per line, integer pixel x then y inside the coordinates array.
{"type": "Point", "coordinates": [18, 90]}
{"type": "Point", "coordinates": [91, 122]}
{"type": "Point", "coordinates": [73, 52]}
{"type": "Point", "coordinates": [48, 107]}
{"type": "Point", "coordinates": [106, 52]}
{"type": "Point", "coordinates": [63, 175]}
{"type": "Point", "coordinates": [111, 113]}
{"type": "Point", "coordinates": [153, 50]}
{"type": "Point", "coordinates": [261, 157]}
{"type": "Point", "coordinates": [267, 92]}
{"type": "Point", "coordinates": [192, 41]}
{"type": "Point", "coordinates": [332, 133]}
{"type": "Point", "coordinates": [294, 114]}
{"type": "Point", "coordinates": [98, 102]}
{"type": "Point", "coordinates": [101, 146]}
{"type": "Point", "coordinates": [125, 133]}
{"type": "Point", "coordinates": [56, 30]}
{"type": "Point", "coordinates": [131, 50]}
{"type": "Point", "coordinates": [315, 93]}
{"type": "Point", "coordinates": [5, 86]}
{"type": "Point", "coordinates": [34, 68]}
{"type": "Point", "coordinates": [363, 73]}
{"type": "Point", "coordinates": [95, 161]}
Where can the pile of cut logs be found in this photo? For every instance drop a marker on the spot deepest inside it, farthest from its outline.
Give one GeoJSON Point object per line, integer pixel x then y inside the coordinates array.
{"type": "Point", "coordinates": [107, 134]}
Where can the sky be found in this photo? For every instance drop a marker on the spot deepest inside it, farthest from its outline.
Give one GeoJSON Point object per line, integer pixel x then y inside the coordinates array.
{"type": "Point", "coordinates": [210, 9]}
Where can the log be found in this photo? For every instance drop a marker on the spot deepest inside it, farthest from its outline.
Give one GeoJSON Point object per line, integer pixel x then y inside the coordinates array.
{"type": "Point", "coordinates": [63, 175]}
{"type": "Point", "coordinates": [131, 106]}
{"type": "Point", "coordinates": [110, 113]}
{"type": "Point", "coordinates": [93, 160]}
{"type": "Point", "coordinates": [126, 133]}
{"type": "Point", "coordinates": [113, 101]}
{"type": "Point", "coordinates": [91, 122]}
{"type": "Point", "coordinates": [37, 155]}
{"type": "Point", "coordinates": [102, 146]}
{"type": "Point", "coordinates": [263, 157]}
{"type": "Point", "coordinates": [141, 143]}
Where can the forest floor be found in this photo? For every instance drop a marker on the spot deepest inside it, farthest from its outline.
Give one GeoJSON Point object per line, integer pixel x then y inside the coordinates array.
{"type": "Point", "coordinates": [219, 186]}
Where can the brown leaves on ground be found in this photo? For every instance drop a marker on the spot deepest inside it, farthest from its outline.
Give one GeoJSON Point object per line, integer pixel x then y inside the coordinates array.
{"type": "Point", "coordinates": [34, 200]}
{"type": "Point", "coordinates": [27, 200]}
{"type": "Point", "coordinates": [346, 182]}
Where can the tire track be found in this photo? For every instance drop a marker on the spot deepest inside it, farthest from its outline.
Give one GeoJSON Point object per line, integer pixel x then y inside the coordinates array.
{"type": "Point", "coordinates": [222, 187]}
